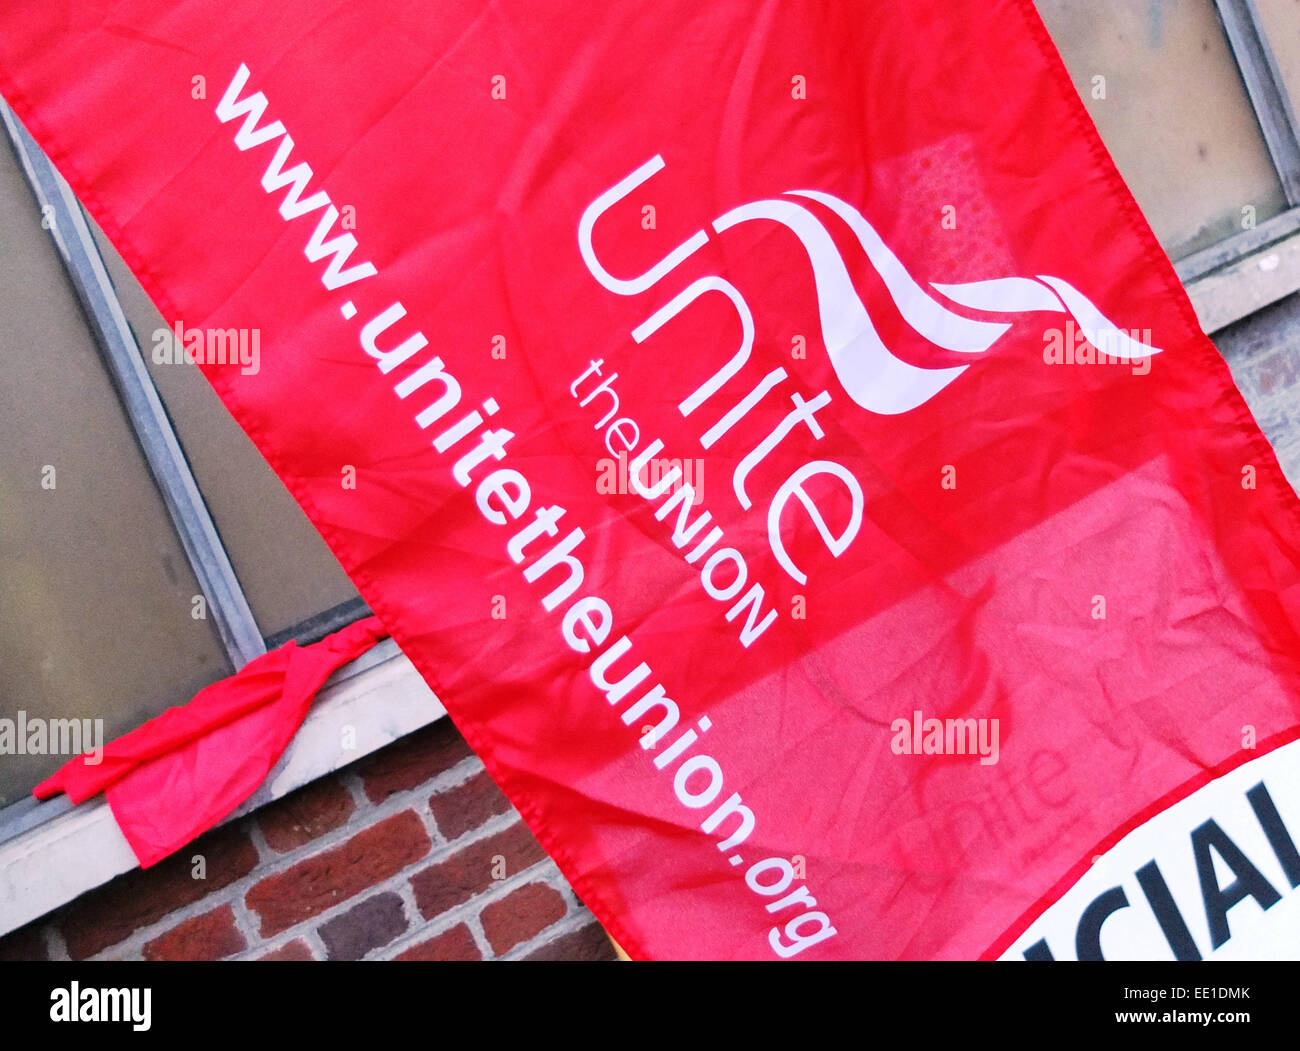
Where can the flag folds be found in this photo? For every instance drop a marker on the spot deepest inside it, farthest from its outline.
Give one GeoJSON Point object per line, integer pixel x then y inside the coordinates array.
{"type": "Point", "coordinates": [179, 774]}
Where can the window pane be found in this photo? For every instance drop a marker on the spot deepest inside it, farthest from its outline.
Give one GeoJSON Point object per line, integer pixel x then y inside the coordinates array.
{"type": "Point", "coordinates": [95, 618]}
{"type": "Point", "coordinates": [283, 565]}
{"type": "Point", "coordinates": [1281, 22]}
{"type": "Point", "coordinates": [1175, 116]}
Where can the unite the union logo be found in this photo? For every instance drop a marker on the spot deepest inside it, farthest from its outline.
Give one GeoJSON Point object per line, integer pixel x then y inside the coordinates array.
{"type": "Point", "coordinates": [870, 373]}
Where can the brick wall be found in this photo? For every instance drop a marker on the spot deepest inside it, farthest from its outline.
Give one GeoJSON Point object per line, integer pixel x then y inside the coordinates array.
{"type": "Point", "coordinates": [409, 854]}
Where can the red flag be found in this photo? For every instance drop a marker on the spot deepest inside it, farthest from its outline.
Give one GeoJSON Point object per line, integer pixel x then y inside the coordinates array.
{"type": "Point", "coordinates": [179, 774]}
{"type": "Point", "coordinates": [779, 439]}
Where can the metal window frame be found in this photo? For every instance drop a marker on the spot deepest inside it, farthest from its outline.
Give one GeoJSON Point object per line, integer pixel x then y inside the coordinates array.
{"type": "Point", "coordinates": [162, 450]}
{"type": "Point", "coordinates": [1264, 85]}
{"type": "Point", "coordinates": [236, 626]}
{"type": "Point", "coordinates": [1277, 122]}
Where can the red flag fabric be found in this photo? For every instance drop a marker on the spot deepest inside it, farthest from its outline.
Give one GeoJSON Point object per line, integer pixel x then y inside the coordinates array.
{"type": "Point", "coordinates": [179, 774]}
{"type": "Point", "coordinates": [778, 438]}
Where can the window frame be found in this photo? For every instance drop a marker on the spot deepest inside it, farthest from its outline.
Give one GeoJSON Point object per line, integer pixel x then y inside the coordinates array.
{"type": "Point", "coordinates": [231, 613]}
{"type": "Point", "coordinates": [123, 358]}
{"type": "Point", "coordinates": [1277, 121]}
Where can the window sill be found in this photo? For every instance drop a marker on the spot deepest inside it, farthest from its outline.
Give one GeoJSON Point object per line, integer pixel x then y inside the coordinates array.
{"type": "Point", "coordinates": [1251, 283]}
{"type": "Point", "coordinates": [379, 696]}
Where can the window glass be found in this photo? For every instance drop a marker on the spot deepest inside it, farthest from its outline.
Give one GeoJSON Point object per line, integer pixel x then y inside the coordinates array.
{"type": "Point", "coordinates": [1166, 94]}
{"type": "Point", "coordinates": [1280, 20]}
{"type": "Point", "coordinates": [284, 567]}
{"type": "Point", "coordinates": [96, 595]}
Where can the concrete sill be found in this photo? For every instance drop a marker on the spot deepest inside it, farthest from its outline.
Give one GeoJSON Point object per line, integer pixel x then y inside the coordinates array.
{"type": "Point", "coordinates": [367, 704]}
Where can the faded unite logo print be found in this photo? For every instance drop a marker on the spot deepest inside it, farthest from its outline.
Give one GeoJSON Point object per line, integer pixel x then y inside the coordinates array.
{"type": "Point", "coordinates": [870, 373]}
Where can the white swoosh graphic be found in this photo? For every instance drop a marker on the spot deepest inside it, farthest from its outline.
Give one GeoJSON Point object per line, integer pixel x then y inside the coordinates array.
{"type": "Point", "coordinates": [1003, 295]}
{"type": "Point", "coordinates": [937, 324]}
{"type": "Point", "coordinates": [870, 374]}
{"type": "Point", "coordinates": [1013, 295]}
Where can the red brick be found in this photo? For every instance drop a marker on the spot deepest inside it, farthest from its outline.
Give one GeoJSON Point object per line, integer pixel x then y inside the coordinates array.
{"type": "Point", "coordinates": [211, 936]}
{"type": "Point", "coordinates": [324, 880]}
{"type": "Point", "coordinates": [306, 814]}
{"type": "Point", "coordinates": [25, 945]}
{"type": "Point", "coordinates": [413, 760]}
{"type": "Point", "coordinates": [455, 944]}
{"type": "Point", "coordinates": [296, 950]}
{"type": "Point", "coordinates": [375, 922]}
{"type": "Point", "coordinates": [136, 899]}
{"type": "Point", "coordinates": [458, 878]}
{"type": "Point", "coordinates": [467, 806]}
{"type": "Point", "coordinates": [520, 915]}
{"type": "Point", "coordinates": [591, 944]}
